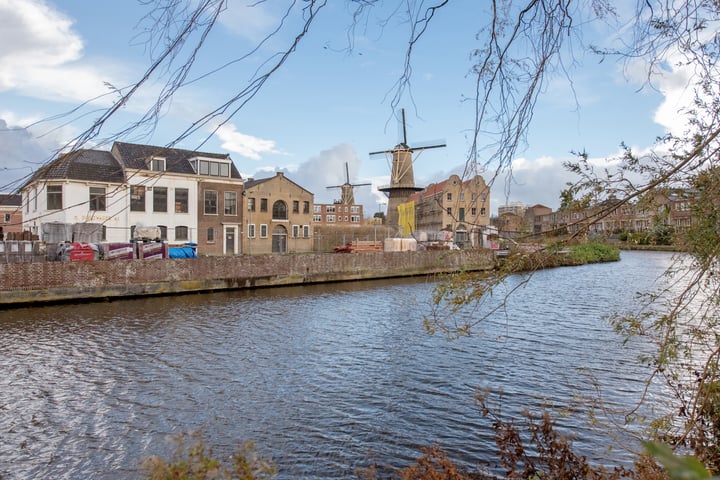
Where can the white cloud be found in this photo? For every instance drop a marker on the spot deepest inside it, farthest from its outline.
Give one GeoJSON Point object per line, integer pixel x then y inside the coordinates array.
{"type": "Point", "coordinates": [245, 145]}
{"type": "Point", "coordinates": [34, 34]}
{"type": "Point", "coordinates": [21, 154]}
{"type": "Point", "coordinates": [39, 52]}
{"type": "Point", "coordinates": [252, 21]}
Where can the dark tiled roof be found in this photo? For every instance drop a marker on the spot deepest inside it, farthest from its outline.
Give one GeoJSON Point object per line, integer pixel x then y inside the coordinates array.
{"type": "Point", "coordinates": [88, 165]}
{"type": "Point", "coordinates": [177, 160]}
{"type": "Point", "coordinates": [10, 200]}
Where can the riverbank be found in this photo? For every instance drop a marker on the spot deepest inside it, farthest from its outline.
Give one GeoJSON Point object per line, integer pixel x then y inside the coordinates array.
{"type": "Point", "coordinates": [53, 282]}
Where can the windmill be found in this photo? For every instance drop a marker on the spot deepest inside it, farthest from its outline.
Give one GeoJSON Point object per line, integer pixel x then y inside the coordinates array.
{"type": "Point", "coordinates": [402, 178]}
{"type": "Point", "coordinates": [348, 198]}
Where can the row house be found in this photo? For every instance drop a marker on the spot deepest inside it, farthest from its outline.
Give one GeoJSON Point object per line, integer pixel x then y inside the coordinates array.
{"type": "Point", "coordinates": [337, 214]}
{"type": "Point", "coordinates": [459, 209]}
{"type": "Point", "coordinates": [670, 209]}
{"type": "Point", "coordinates": [183, 195]}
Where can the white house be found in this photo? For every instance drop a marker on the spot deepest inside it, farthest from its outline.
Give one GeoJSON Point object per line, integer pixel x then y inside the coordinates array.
{"type": "Point", "coordinates": [108, 195]}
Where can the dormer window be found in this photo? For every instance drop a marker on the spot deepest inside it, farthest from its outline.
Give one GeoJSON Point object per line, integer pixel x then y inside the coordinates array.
{"type": "Point", "coordinates": [157, 164]}
{"type": "Point", "coordinates": [211, 168]}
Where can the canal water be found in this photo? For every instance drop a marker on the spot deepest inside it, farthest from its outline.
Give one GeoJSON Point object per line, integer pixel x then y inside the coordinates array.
{"type": "Point", "coordinates": [323, 379]}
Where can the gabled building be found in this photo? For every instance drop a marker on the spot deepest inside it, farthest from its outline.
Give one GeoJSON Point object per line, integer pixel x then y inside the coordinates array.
{"type": "Point", "coordinates": [277, 216]}
{"type": "Point", "coordinates": [452, 208]}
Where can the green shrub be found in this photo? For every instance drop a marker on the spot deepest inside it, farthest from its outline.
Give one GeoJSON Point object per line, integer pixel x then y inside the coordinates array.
{"type": "Point", "coordinates": [594, 252]}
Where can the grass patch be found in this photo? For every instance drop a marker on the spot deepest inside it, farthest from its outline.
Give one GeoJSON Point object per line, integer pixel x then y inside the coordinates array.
{"type": "Point", "coordinates": [594, 252]}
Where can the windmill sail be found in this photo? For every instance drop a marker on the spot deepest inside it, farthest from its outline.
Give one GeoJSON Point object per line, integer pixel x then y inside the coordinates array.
{"type": "Point", "coordinates": [347, 188]}
{"type": "Point", "coordinates": [402, 176]}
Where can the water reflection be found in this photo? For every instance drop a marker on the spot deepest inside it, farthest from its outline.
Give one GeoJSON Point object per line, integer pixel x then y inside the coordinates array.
{"type": "Point", "coordinates": [324, 379]}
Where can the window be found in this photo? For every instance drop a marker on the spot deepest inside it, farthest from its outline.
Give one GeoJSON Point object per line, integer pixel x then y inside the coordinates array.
{"type": "Point", "coordinates": [137, 198]}
{"type": "Point", "coordinates": [211, 235]}
{"type": "Point", "coordinates": [157, 164]}
{"type": "Point", "coordinates": [251, 230]}
{"type": "Point", "coordinates": [163, 232]}
{"type": "Point", "coordinates": [251, 204]}
{"type": "Point", "coordinates": [54, 197]}
{"type": "Point", "coordinates": [263, 204]}
{"type": "Point", "coordinates": [449, 211]}
{"type": "Point", "coordinates": [462, 197]}
{"type": "Point", "coordinates": [181, 200]}
{"type": "Point", "coordinates": [210, 168]}
{"type": "Point", "coordinates": [97, 199]}
{"type": "Point", "coordinates": [279, 211]}
{"type": "Point", "coordinates": [317, 208]}
{"type": "Point", "coordinates": [160, 199]}
{"type": "Point", "coordinates": [473, 211]}
{"type": "Point", "coordinates": [181, 233]}
{"type": "Point", "coordinates": [263, 231]}
{"type": "Point", "coordinates": [330, 209]}
{"type": "Point", "coordinates": [7, 218]}
{"type": "Point", "coordinates": [34, 200]}
{"type": "Point", "coordinates": [296, 231]}
{"type": "Point", "coordinates": [355, 218]}
{"type": "Point", "coordinates": [296, 206]}
{"type": "Point", "coordinates": [317, 218]}
{"type": "Point", "coordinates": [306, 207]}
{"type": "Point", "coordinates": [211, 202]}
{"type": "Point", "coordinates": [306, 231]}
{"type": "Point", "coordinates": [482, 211]}
{"type": "Point", "coordinates": [330, 218]}
{"type": "Point", "coordinates": [355, 209]}
{"type": "Point", "coordinates": [461, 215]}
{"type": "Point", "coordinates": [230, 203]}
{"type": "Point", "coordinates": [449, 197]}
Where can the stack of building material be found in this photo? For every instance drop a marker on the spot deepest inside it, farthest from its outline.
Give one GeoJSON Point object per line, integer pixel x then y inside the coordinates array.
{"type": "Point", "coordinates": [77, 252]}
{"type": "Point", "coordinates": [400, 245]}
{"type": "Point", "coordinates": [87, 232]}
{"type": "Point", "coordinates": [12, 251]}
{"type": "Point", "coordinates": [56, 232]}
{"type": "Point", "coordinates": [152, 250]}
{"type": "Point", "coordinates": [366, 246]}
{"type": "Point", "coordinates": [118, 251]}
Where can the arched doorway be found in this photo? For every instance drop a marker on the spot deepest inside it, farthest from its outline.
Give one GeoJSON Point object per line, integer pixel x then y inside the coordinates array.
{"type": "Point", "coordinates": [279, 239]}
{"type": "Point", "coordinates": [461, 236]}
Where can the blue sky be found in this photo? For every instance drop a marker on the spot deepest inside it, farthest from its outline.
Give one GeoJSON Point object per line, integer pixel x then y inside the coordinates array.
{"type": "Point", "coordinates": [324, 107]}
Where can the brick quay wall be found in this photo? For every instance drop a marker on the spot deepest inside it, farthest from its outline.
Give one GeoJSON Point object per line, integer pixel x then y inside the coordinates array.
{"type": "Point", "coordinates": [33, 283]}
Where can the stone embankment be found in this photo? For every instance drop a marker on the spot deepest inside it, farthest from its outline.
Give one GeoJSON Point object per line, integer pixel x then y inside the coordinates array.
{"type": "Point", "coordinates": [44, 282]}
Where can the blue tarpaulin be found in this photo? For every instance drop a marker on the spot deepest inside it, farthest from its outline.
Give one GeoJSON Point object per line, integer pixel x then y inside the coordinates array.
{"type": "Point", "coordinates": [182, 252]}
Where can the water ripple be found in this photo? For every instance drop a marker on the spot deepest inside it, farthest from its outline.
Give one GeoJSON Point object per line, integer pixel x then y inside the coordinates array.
{"type": "Point", "coordinates": [324, 379]}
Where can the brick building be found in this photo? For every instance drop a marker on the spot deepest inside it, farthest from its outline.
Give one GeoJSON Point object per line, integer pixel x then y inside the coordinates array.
{"type": "Point", "coordinates": [11, 215]}
{"type": "Point", "coordinates": [277, 216]}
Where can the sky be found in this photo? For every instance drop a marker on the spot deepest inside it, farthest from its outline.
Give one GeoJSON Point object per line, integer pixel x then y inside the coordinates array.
{"type": "Point", "coordinates": [63, 62]}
